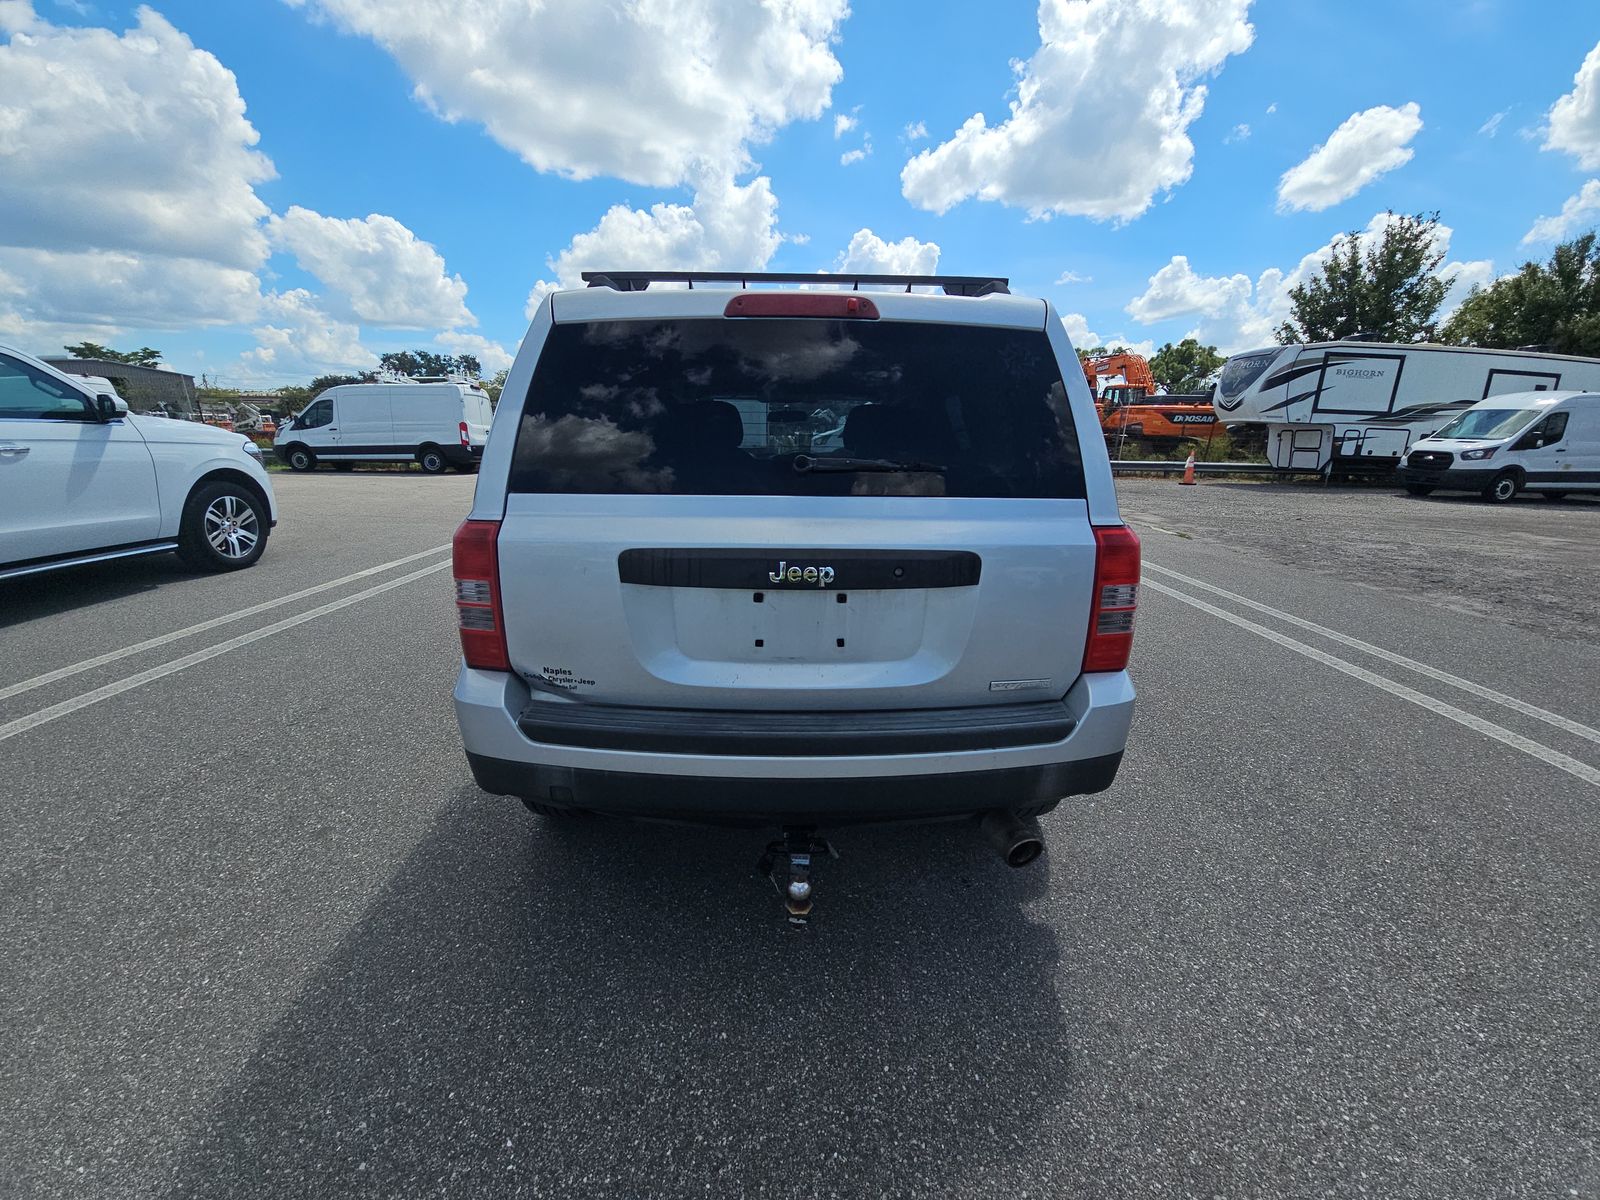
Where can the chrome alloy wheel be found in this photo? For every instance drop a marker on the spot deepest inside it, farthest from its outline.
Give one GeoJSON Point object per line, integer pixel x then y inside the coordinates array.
{"type": "Point", "coordinates": [231, 527]}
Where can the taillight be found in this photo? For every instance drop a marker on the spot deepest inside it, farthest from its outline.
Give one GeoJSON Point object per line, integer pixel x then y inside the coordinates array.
{"type": "Point", "coordinates": [465, 440]}
{"type": "Point", "coordinates": [1116, 595]}
{"type": "Point", "coordinates": [476, 565]}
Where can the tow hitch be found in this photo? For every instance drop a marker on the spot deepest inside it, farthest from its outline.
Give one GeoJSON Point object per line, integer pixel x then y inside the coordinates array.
{"type": "Point", "coordinates": [787, 863]}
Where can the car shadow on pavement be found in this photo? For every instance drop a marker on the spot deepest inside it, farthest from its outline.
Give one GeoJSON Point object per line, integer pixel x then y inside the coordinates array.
{"type": "Point", "coordinates": [608, 1008]}
{"type": "Point", "coordinates": [29, 597]}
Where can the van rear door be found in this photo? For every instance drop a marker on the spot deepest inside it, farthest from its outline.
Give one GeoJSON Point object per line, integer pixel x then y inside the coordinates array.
{"type": "Point", "coordinates": [797, 513]}
{"type": "Point", "coordinates": [478, 415]}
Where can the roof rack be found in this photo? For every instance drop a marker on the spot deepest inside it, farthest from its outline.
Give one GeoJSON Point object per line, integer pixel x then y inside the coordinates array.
{"type": "Point", "coordinates": [953, 285]}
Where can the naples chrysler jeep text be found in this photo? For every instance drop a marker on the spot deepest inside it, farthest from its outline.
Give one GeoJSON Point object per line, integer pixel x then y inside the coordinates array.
{"type": "Point", "coordinates": [796, 557]}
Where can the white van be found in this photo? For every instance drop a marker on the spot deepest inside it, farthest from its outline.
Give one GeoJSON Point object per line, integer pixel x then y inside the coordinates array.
{"type": "Point", "coordinates": [1546, 442]}
{"type": "Point", "coordinates": [436, 424]}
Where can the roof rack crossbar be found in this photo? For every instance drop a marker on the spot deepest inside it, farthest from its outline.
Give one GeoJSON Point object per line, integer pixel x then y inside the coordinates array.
{"type": "Point", "coordinates": [953, 285]}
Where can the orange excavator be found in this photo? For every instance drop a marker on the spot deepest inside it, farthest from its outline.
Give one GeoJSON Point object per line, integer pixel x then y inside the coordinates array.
{"type": "Point", "coordinates": [1125, 393]}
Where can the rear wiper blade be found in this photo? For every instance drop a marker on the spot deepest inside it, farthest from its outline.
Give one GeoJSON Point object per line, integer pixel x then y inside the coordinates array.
{"type": "Point", "coordinates": [805, 463]}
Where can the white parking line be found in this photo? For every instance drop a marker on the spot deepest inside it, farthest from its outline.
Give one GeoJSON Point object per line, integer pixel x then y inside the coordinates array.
{"type": "Point", "coordinates": [35, 719]}
{"type": "Point", "coordinates": [1399, 660]}
{"type": "Point", "coordinates": [100, 660]}
{"type": "Point", "coordinates": [1489, 729]}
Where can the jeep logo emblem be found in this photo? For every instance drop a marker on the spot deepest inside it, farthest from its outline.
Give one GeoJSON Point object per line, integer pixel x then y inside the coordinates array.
{"type": "Point", "coordinates": [821, 576]}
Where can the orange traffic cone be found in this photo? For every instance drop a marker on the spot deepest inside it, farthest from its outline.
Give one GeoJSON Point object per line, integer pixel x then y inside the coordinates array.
{"type": "Point", "coordinates": [1188, 470]}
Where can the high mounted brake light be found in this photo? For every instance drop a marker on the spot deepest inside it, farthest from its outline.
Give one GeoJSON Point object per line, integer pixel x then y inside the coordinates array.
{"type": "Point", "coordinates": [802, 304]}
{"type": "Point", "coordinates": [476, 566]}
{"type": "Point", "coordinates": [1116, 596]}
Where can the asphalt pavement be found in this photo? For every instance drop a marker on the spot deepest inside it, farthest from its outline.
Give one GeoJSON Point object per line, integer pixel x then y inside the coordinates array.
{"type": "Point", "coordinates": [1334, 931]}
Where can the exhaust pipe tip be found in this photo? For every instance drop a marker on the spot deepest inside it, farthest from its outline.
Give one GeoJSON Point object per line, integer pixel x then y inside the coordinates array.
{"type": "Point", "coordinates": [1018, 839]}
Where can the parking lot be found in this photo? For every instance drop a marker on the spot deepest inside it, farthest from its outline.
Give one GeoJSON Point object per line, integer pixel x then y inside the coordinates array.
{"type": "Point", "coordinates": [1334, 931]}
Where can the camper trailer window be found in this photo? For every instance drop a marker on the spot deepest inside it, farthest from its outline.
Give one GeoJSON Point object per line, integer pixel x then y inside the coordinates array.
{"type": "Point", "coordinates": [1244, 369]}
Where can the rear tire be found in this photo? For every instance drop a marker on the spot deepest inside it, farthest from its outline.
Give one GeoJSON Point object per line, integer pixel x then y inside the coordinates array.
{"type": "Point", "coordinates": [432, 460]}
{"type": "Point", "coordinates": [300, 458]}
{"type": "Point", "coordinates": [224, 527]}
{"type": "Point", "coordinates": [1419, 489]}
{"type": "Point", "coordinates": [1503, 487]}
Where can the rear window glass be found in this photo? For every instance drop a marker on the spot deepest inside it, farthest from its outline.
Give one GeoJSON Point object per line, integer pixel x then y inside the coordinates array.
{"type": "Point", "coordinates": [796, 406]}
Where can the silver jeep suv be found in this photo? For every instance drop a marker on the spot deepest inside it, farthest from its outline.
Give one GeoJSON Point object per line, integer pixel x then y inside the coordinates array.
{"type": "Point", "coordinates": [799, 557]}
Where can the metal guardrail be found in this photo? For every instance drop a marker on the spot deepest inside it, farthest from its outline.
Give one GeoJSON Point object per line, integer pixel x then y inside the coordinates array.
{"type": "Point", "coordinates": [1129, 466]}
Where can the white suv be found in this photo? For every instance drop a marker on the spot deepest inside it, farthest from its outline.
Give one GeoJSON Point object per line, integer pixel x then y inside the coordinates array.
{"type": "Point", "coordinates": [796, 557]}
{"type": "Point", "coordinates": [84, 480]}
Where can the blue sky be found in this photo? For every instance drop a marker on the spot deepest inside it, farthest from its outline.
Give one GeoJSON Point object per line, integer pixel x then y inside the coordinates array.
{"type": "Point", "coordinates": [411, 179]}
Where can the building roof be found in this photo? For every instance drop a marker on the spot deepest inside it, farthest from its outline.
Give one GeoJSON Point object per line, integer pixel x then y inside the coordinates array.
{"type": "Point", "coordinates": [105, 368]}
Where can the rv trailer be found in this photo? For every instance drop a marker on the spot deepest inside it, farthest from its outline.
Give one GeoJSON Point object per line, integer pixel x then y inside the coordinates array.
{"type": "Point", "coordinates": [1358, 406]}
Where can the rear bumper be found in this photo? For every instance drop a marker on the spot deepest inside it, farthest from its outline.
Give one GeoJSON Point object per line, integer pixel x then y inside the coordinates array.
{"type": "Point", "coordinates": [851, 784]}
{"type": "Point", "coordinates": [460, 456]}
{"type": "Point", "coordinates": [828, 802]}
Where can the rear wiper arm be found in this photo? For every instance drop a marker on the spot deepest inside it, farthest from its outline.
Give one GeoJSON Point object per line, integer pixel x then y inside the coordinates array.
{"type": "Point", "coordinates": [806, 462]}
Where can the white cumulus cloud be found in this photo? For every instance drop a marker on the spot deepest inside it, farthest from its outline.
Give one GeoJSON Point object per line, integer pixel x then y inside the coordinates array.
{"type": "Point", "coordinates": [728, 227]}
{"type": "Point", "coordinates": [1368, 144]}
{"type": "Point", "coordinates": [637, 89]}
{"type": "Point", "coordinates": [1100, 122]}
{"type": "Point", "coordinates": [384, 273]}
{"type": "Point", "coordinates": [1577, 213]}
{"type": "Point", "coordinates": [1175, 291]}
{"type": "Point", "coordinates": [858, 154]}
{"type": "Point", "coordinates": [127, 175]}
{"type": "Point", "coordinates": [1235, 314]}
{"type": "Point", "coordinates": [915, 132]}
{"type": "Point", "coordinates": [491, 355]}
{"type": "Point", "coordinates": [1084, 338]}
{"type": "Point", "coordinates": [300, 338]}
{"type": "Point", "coordinates": [869, 254]}
{"type": "Point", "coordinates": [844, 123]}
{"type": "Point", "coordinates": [1573, 123]}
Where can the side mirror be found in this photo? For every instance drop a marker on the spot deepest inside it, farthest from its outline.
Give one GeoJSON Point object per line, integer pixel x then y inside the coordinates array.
{"type": "Point", "coordinates": [109, 407]}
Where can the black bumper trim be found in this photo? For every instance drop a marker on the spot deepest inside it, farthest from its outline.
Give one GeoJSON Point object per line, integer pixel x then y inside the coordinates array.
{"type": "Point", "coordinates": [1453, 478]}
{"type": "Point", "coordinates": [795, 734]}
{"type": "Point", "coordinates": [752, 570]}
{"type": "Point", "coordinates": [766, 801]}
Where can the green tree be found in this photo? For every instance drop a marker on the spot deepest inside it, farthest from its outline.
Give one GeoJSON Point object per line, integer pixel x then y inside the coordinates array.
{"type": "Point", "coordinates": [1388, 285]}
{"type": "Point", "coordinates": [144, 356]}
{"type": "Point", "coordinates": [427, 362]}
{"type": "Point", "coordinates": [1556, 304]}
{"type": "Point", "coordinates": [297, 394]}
{"type": "Point", "coordinates": [1186, 366]}
{"type": "Point", "coordinates": [495, 385]}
